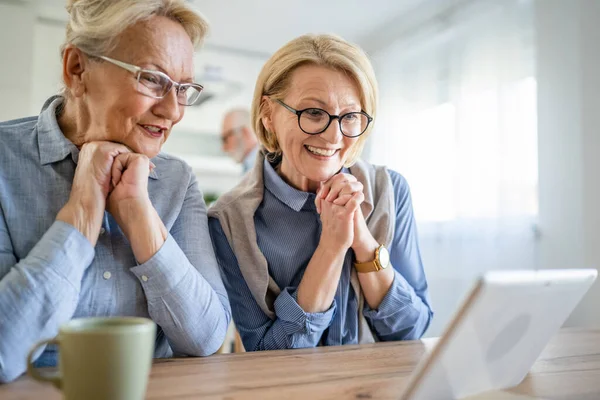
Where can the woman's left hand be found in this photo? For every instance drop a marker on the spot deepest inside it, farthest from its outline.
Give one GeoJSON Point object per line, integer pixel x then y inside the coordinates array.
{"type": "Point", "coordinates": [129, 184]}
{"type": "Point", "coordinates": [129, 203]}
{"type": "Point", "coordinates": [364, 244]}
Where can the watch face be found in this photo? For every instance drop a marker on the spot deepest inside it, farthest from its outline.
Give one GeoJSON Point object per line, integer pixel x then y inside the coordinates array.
{"type": "Point", "coordinates": [384, 257]}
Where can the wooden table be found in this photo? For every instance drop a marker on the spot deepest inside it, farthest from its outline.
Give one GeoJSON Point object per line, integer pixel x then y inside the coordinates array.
{"type": "Point", "coordinates": [569, 368]}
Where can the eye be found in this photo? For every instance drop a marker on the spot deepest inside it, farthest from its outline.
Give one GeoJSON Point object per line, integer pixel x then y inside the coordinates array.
{"type": "Point", "coordinates": [314, 113]}
{"type": "Point", "coordinates": [353, 118]}
{"type": "Point", "coordinates": [150, 79]}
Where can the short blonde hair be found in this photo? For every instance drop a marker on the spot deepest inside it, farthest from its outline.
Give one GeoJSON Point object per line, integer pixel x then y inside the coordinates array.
{"type": "Point", "coordinates": [94, 25]}
{"type": "Point", "coordinates": [322, 50]}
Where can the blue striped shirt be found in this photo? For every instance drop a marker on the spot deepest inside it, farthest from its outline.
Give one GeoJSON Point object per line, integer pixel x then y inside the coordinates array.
{"type": "Point", "coordinates": [50, 273]}
{"type": "Point", "coordinates": [288, 229]}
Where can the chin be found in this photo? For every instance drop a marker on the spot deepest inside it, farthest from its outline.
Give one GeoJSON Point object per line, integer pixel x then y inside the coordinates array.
{"type": "Point", "coordinates": [149, 151]}
{"type": "Point", "coordinates": [321, 176]}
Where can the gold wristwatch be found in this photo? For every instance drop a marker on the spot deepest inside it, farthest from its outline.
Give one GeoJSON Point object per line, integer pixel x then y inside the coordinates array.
{"type": "Point", "coordinates": [381, 261]}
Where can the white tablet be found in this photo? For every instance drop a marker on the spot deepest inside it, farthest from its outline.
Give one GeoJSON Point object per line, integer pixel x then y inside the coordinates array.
{"type": "Point", "coordinates": [498, 332]}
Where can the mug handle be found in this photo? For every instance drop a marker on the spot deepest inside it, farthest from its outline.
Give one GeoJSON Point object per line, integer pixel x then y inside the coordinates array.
{"type": "Point", "coordinates": [53, 377]}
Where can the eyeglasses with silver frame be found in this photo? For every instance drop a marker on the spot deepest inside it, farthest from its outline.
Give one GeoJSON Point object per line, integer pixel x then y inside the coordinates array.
{"type": "Point", "coordinates": [157, 84]}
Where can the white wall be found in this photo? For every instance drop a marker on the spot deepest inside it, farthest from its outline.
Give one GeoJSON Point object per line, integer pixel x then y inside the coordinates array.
{"type": "Point", "coordinates": [16, 67]}
{"type": "Point", "coordinates": [46, 71]}
{"type": "Point", "coordinates": [569, 141]}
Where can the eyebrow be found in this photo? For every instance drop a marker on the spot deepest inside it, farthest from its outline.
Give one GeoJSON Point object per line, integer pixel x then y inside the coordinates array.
{"type": "Point", "coordinates": [324, 104]}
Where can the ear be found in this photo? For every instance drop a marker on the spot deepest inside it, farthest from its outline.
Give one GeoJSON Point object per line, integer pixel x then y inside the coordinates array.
{"type": "Point", "coordinates": [74, 66]}
{"type": "Point", "coordinates": [266, 108]}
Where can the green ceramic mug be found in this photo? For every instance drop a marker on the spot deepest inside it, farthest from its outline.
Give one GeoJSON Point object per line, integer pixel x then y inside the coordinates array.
{"type": "Point", "coordinates": [101, 358]}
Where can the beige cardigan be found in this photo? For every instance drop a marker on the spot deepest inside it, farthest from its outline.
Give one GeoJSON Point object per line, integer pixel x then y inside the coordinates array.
{"type": "Point", "coordinates": [235, 211]}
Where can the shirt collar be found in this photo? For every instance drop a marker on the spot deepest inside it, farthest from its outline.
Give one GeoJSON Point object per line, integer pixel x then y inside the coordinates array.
{"type": "Point", "coordinates": [293, 198]}
{"type": "Point", "coordinates": [52, 143]}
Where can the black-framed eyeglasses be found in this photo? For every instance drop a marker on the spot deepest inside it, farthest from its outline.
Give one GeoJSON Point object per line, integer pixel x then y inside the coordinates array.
{"type": "Point", "coordinates": [313, 121]}
{"type": "Point", "coordinates": [157, 84]}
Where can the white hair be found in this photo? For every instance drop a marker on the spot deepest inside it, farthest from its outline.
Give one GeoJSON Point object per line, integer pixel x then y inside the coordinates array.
{"type": "Point", "coordinates": [94, 25]}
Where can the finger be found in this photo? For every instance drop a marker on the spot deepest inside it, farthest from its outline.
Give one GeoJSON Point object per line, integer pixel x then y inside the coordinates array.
{"type": "Point", "coordinates": [120, 146]}
{"type": "Point", "coordinates": [342, 199]}
{"type": "Point", "coordinates": [354, 203]}
{"type": "Point", "coordinates": [325, 187]}
{"type": "Point", "coordinates": [337, 182]}
{"type": "Point", "coordinates": [345, 187]}
{"type": "Point", "coordinates": [113, 149]}
{"type": "Point", "coordinates": [318, 199]}
{"type": "Point", "coordinates": [119, 165]}
{"type": "Point", "coordinates": [351, 188]}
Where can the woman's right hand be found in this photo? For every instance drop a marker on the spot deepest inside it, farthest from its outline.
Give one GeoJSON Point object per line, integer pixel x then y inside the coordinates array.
{"type": "Point", "coordinates": [91, 186]}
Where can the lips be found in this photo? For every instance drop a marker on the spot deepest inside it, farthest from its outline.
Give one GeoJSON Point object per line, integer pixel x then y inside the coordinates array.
{"type": "Point", "coordinates": [320, 152]}
{"type": "Point", "coordinates": [154, 131]}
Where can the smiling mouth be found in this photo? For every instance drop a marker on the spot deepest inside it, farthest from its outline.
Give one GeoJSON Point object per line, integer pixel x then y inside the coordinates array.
{"type": "Point", "coordinates": [317, 151]}
{"type": "Point", "coordinates": [153, 131]}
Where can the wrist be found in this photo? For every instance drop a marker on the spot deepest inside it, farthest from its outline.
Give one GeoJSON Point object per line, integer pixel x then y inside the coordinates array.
{"type": "Point", "coordinates": [85, 216]}
{"type": "Point", "coordinates": [332, 248]}
{"type": "Point", "coordinates": [364, 250]}
{"type": "Point", "coordinates": [144, 229]}
{"type": "Point", "coordinates": [133, 215]}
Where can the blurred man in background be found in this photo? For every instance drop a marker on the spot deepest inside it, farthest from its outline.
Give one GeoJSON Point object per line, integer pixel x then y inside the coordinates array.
{"type": "Point", "coordinates": [238, 138]}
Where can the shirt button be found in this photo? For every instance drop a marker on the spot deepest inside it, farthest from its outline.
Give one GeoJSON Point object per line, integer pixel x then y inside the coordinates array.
{"type": "Point", "coordinates": [144, 278]}
{"type": "Point", "coordinates": [106, 275]}
{"type": "Point", "coordinates": [102, 231]}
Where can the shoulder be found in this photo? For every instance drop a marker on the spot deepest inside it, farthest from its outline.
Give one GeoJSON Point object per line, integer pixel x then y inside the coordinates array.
{"type": "Point", "coordinates": [17, 137]}
{"type": "Point", "coordinates": [16, 129]}
{"type": "Point", "coordinates": [402, 194]}
{"type": "Point", "coordinates": [398, 181]}
{"type": "Point", "coordinates": [172, 169]}
{"type": "Point", "coordinates": [245, 194]}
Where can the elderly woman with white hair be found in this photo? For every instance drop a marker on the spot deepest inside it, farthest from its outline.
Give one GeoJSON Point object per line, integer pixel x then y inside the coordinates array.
{"type": "Point", "coordinates": [94, 220]}
{"type": "Point", "coordinates": [316, 246]}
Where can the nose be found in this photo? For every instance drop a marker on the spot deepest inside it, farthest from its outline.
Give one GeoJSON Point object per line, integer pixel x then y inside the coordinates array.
{"type": "Point", "coordinates": [168, 107]}
{"type": "Point", "coordinates": [333, 134]}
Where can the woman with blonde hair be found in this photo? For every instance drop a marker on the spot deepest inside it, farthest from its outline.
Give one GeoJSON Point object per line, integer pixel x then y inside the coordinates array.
{"type": "Point", "coordinates": [94, 219]}
{"type": "Point", "coordinates": [316, 246]}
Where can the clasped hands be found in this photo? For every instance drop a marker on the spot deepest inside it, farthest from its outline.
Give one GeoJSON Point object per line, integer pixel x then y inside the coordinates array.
{"type": "Point", "coordinates": [338, 203]}
{"type": "Point", "coordinates": [109, 176]}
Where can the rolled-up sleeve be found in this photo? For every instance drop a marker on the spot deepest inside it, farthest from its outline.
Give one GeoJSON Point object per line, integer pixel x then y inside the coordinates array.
{"type": "Point", "coordinates": [404, 312]}
{"type": "Point", "coordinates": [292, 326]}
{"type": "Point", "coordinates": [401, 314]}
{"type": "Point", "coordinates": [183, 286]}
{"type": "Point", "coordinates": [31, 307]}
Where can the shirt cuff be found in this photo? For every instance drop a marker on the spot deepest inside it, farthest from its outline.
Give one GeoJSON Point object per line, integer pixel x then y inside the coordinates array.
{"type": "Point", "coordinates": [163, 271]}
{"type": "Point", "coordinates": [66, 250]}
{"type": "Point", "coordinates": [400, 295]}
{"type": "Point", "coordinates": [288, 310]}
